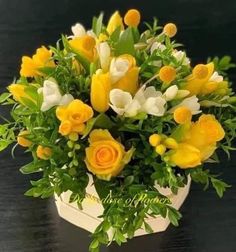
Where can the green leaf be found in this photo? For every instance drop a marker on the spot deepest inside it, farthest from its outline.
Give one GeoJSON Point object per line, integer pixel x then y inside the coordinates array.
{"type": "Point", "coordinates": [173, 216]}
{"type": "Point", "coordinates": [148, 228]}
{"type": "Point", "coordinates": [125, 43]}
{"type": "Point", "coordinates": [4, 144]}
{"type": "Point", "coordinates": [129, 180]}
{"type": "Point", "coordinates": [219, 186]}
{"type": "Point", "coordinates": [102, 121]}
{"type": "Point", "coordinates": [33, 167]}
{"type": "Point", "coordinates": [4, 97]}
{"type": "Point", "coordinates": [97, 24]}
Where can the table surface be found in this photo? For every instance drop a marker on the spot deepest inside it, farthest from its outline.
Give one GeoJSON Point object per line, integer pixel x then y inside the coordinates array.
{"type": "Point", "coordinates": [30, 225]}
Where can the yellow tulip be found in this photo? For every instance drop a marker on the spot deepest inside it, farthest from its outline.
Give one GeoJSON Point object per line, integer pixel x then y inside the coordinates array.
{"type": "Point", "coordinates": [100, 89]}
{"type": "Point", "coordinates": [105, 157]}
{"type": "Point", "coordinates": [128, 80]}
{"type": "Point", "coordinates": [115, 21]}
{"type": "Point", "coordinates": [85, 45]}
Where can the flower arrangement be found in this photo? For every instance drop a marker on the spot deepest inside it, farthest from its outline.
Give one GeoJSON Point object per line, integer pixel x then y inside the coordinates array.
{"type": "Point", "coordinates": [127, 108]}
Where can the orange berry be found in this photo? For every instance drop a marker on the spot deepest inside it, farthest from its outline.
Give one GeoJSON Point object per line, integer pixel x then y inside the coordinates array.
{"type": "Point", "coordinates": [182, 115]}
{"type": "Point", "coordinates": [154, 140]}
{"type": "Point", "coordinates": [170, 30]}
{"type": "Point", "coordinates": [167, 74]}
{"type": "Point", "coordinates": [132, 18]}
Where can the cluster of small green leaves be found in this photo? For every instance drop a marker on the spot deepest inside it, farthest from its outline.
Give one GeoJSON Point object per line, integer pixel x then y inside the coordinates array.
{"type": "Point", "coordinates": [127, 212]}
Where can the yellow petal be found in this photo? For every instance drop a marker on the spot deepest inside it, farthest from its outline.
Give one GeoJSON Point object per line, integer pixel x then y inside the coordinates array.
{"type": "Point", "coordinates": [129, 82]}
{"type": "Point", "coordinates": [115, 21]}
{"type": "Point", "coordinates": [186, 156]}
{"type": "Point", "coordinates": [100, 89]}
{"type": "Point", "coordinates": [99, 135]}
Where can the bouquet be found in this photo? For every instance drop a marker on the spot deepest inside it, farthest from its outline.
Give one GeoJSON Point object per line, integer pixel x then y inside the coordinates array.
{"type": "Point", "coordinates": [127, 108]}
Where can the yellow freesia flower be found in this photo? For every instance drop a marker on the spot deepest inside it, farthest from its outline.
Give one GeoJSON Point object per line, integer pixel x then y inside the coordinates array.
{"type": "Point", "coordinates": [186, 156]}
{"type": "Point", "coordinates": [43, 152]}
{"type": "Point", "coordinates": [73, 117]}
{"type": "Point", "coordinates": [30, 66]}
{"type": "Point", "coordinates": [115, 21]}
{"type": "Point", "coordinates": [204, 134]}
{"type": "Point", "coordinates": [204, 80]}
{"type": "Point", "coordinates": [85, 45]}
{"type": "Point", "coordinates": [18, 92]}
{"type": "Point", "coordinates": [22, 139]}
{"type": "Point", "coordinates": [105, 157]}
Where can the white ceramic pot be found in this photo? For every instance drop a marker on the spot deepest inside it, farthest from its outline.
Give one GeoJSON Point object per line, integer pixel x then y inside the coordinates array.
{"type": "Point", "coordinates": [92, 208]}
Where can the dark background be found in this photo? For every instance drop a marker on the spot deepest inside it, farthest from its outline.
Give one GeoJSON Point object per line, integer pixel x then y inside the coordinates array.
{"type": "Point", "coordinates": [207, 28]}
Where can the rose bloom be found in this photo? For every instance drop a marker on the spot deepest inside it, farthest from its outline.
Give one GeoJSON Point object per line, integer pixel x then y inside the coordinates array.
{"type": "Point", "coordinates": [105, 157]}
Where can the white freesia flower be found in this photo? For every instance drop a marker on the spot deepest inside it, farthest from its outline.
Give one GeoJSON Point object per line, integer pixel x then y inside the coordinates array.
{"type": "Point", "coordinates": [216, 77]}
{"type": "Point", "coordinates": [118, 68]}
{"type": "Point", "coordinates": [146, 100]}
{"type": "Point", "coordinates": [104, 53]}
{"type": "Point", "coordinates": [123, 103]}
{"type": "Point", "coordinates": [181, 56]}
{"type": "Point", "coordinates": [191, 103]}
{"type": "Point", "coordinates": [157, 46]}
{"type": "Point", "coordinates": [154, 106]}
{"type": "Point", "coordinates": [52, 96]}
{"type": "Point", "coordinates": [173, 92]}
{"type": "Point", "coordinates": [78, 30]}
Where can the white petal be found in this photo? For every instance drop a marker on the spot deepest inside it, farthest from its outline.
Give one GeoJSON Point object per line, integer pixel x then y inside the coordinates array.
{"type": "Point", "coordinates": [154, 106]}
{"type": "Point", "coordinates": [157, 46]}
{"type": "Point", "coordinates": [104, 53]}
{"type": "Point", "coordinates": [151, 92]}
{"type": "Point", "coordinates": [171, 93]}
{"type": "Point", "coordinates": [51, 94]}
{"type": "Point", "coordinates": [216, 77]}
{"type": "Point", "coordinates": [66, 99]}
{"type": "Point", "coordinates": [182, 93]}
{"type": "Point", "coordinates": [78, 30]}
{"type": "Point", "coordinates": [191, 103]}
{"type": "Point", "coordinates": [118, 69]}
{"type": "Point", "coordinates": [120, 98]}
{"type": "Point", "coordinates": [132, 109]}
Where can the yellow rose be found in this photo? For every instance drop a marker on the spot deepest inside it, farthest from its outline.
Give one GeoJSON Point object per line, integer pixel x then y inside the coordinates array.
{"type": "Point", "coordinates": [186, 156]}
{"type": "Point", "coordinates": [115, 21]}
{"type": "Point", "coordinates": [30, 66]}
{"type": "Point", "coordinates": [18, 92]}
{"type": "Point", "coordinates": [105, 157]}
{"type": "Point", "coordinates": [73, 117]}
{"type": "Point", "coordinates": [85, 46]}
{"type": "Point", "coordinates": [22, 139]}
{"type": "Point", "coordinates": [100, 89]}
{"type": "Point", "coordinates": [43, 152]}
